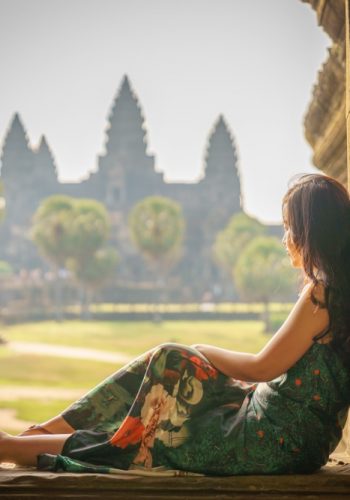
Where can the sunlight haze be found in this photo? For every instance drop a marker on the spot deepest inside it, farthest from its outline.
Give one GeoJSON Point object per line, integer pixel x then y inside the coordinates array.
{"type": "Point", "coordinates": [254, 61]}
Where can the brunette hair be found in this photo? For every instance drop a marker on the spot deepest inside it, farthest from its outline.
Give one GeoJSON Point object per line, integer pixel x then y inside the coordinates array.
{"type": "Point", "coordinates": [318, 215]}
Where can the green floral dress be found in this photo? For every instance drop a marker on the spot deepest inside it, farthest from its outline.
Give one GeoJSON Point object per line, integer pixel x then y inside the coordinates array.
{"type": "Point", "coordinates": [170, 408]}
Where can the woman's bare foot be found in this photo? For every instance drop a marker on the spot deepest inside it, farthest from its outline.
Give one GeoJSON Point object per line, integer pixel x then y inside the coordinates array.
{"type": "Point", "coordinates": [25, 450]}
{"type": "Point", "coordinates": [34, 430]}
{"type": "Point", "coordinates": [4, 437]}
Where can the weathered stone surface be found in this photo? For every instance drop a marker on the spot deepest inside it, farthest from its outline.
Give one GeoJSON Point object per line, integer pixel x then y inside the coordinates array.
{"type": "Point", "coordinates": [330, 15]}
{"type": "Point", "coordinates": [347, 86]}
{"type": "Point", "coordinates": [330, 482]}
{"type": "Point", "coordinates": [325, 120]}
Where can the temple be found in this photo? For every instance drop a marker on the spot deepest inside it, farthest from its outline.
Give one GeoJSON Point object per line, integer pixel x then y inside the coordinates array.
{"type": "Point", "coordinates": [125, 173]}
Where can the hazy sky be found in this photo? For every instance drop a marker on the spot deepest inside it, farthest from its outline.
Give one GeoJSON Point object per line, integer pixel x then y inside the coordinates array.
{"type": "Point", "coordinates": [255, 61]}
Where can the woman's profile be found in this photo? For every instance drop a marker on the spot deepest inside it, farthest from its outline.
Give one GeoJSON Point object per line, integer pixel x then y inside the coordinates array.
{"type": "Point", "coordinates": [213, 411]}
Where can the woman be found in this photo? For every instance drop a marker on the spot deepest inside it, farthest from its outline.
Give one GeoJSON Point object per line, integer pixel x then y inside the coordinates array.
{"type": "Point", "coordinates": [209, 410]}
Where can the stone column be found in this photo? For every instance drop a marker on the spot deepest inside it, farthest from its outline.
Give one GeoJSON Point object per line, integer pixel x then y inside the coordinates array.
{"type": "Point", "coordinates": [347, 46]}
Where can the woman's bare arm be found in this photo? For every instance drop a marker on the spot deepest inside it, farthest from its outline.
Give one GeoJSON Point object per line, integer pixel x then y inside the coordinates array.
{"type": "Point", "coordinates": [284, 349]}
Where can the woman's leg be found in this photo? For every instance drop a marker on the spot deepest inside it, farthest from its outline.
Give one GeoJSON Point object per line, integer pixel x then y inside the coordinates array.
{"type": "Point", "coordinates": [163, 395]}
{"type": "Point", "coordinates": [55, 425]}
{"type": "Point", "coordinates": [25, 450]}
{"type": "Point", "coordinates": [102, 407]}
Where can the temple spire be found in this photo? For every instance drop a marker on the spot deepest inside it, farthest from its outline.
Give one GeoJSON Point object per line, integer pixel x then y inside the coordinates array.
{"type": "Point", "coordinates": [17, 156]}
{"type": "Point", "coordinates": [221, 174]}
{"type": "Point", "coordinates": [126, 134]}
{"type": "Point", "coordinates": [221, 156]}
{"type": "Point", "coordinates": [45, 167]}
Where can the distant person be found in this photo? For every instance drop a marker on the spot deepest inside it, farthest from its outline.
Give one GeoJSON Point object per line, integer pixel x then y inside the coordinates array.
{"type": "Point", "coordinates": [214, 411]}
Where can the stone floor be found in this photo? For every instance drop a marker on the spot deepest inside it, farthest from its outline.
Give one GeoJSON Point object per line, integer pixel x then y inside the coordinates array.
{"type": "Point", "coordinates": [331, 482]}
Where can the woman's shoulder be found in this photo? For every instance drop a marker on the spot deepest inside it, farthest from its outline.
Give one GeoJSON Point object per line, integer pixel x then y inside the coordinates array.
{"type": "Point", "coordinates": [314, 291]}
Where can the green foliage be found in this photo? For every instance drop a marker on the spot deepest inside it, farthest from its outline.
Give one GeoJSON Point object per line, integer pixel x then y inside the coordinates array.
{"type": "Point", "coordinates": [263, 271]}
{"type": "Point", "coordinates": [89, 228]}
{"type": "Point", "coordinates": [231, 241]}
{"type": "Point", "coordinates": [51, 228]}
{"type": "Point", "coordinates": [71, 232]}
{"type": "Point", "coordinates": [96, 269]}
{"type": "Point", "coordinates": [66, 228]}
{"type": "Point", "coordinates": [157, 228]}
{"type": "Point", "coordinates": [5, 269]}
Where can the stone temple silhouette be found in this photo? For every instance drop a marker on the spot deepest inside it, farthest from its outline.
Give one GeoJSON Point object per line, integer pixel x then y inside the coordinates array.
{"type": "Point", "coordinates": [125, 174]}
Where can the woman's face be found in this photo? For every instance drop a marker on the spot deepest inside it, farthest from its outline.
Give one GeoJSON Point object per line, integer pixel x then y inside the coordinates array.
{"type": "Point", "coordinates": [294, 254]}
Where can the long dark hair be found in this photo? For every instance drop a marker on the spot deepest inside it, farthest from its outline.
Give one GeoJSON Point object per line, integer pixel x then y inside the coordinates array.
{"type": "Point", "coordinates": [317, 208]}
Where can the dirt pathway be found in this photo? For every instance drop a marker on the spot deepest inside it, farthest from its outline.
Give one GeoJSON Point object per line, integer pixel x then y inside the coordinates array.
{"type": "Point", "coordinates": [13, 393]}
{"type": "Point", "coordinates": [68, 352]}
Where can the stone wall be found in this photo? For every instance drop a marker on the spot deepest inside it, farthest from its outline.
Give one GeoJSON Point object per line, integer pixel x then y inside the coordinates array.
{"type": "Point", "coordinates": [327, 122]}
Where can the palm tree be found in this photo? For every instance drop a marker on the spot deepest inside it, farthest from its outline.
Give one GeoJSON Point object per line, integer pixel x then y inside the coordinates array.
{"type": "Point", "coordinates": [93, 273]}
{"type": "Point", "coordinates": [263, 273]}
{"type": "Point", "coordinates": [51, 233]}
{"type": "Point", "coordinates": [230, 242]}
{"type": "Point", "coordinates": [69, 230]}
{"type": "Point", "coordinates": [157, 229]}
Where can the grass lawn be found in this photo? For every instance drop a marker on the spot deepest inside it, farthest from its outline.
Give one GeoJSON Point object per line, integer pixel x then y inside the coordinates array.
{"type": "Point", "coordinates": [43, 410]}
{"type": "Point", "coordinates": [27, 370]}
{"type": "Point", "coordinates": [133, 338]}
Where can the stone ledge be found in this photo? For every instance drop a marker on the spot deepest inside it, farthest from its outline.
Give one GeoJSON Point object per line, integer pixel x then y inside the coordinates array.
{"type": "Point", "coordinates": [330, 482]}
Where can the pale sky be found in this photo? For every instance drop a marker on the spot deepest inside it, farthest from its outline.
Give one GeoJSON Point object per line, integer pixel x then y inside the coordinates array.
{"type": "Point", "coordinates": [255, 61]}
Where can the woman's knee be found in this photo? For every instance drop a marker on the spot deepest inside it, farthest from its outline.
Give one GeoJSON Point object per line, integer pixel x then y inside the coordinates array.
{"type": "Point", "coordinates": [171, 346]}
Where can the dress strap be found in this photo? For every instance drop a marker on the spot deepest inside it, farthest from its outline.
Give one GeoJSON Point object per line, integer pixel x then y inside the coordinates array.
{"type": "Point", "coordinates": [321, 334]}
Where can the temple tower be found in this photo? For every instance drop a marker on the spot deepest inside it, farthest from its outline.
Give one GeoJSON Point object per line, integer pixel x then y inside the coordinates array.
{"type": "Point", "coordinates": [45, 170]}
{"type": "Point", "coordinates": [126, 135]}
{"type": "Point", "coordinates": [221, 159]}
{"type": "Point", "coordinates": [221, 183]}
{"type": "Point", "coordinates": [220, 198]}
{"type": "Point", "coordinates": [17, 170]}
{"type": "Point", "coordinates": [28, 176]}
{"type": "Point", "coordinates": [127, 168]}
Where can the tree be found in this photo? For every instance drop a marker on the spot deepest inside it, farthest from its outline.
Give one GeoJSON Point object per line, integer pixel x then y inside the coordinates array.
{"type": "Point", "coordinates": [93, 273]}
{"type": "Point", "coordinates": [6, 272]}
{"type": "Point", "coordinates": [51, 233]}
{"type": "Point", "coordinates": [157, 229]}
{"type": "Point", "coordinates": [70, 230]}
{"type": "Point", "coordinates": [91, 263]}
{"type": "Point", "coordinates": [230, 242]}
{"type": "Point", "coordinates": [89, 228]}
{"type": "Point", "coordinates": [263, 273]}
